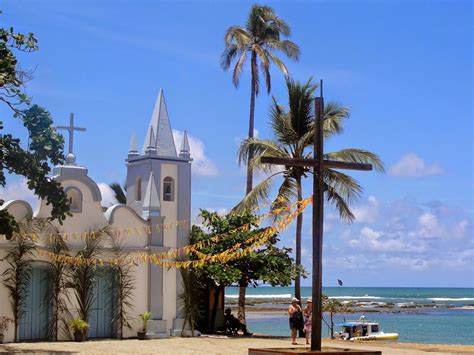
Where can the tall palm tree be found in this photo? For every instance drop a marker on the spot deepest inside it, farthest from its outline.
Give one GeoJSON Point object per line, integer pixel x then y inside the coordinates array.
{"type": "Point", "coordinates": [294, 137]}
{"type": "Point", "coordinates": [259, 39]}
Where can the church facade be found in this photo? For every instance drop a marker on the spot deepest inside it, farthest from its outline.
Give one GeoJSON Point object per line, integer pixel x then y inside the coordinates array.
{"type": "Point", "coordinates": [158, 192]}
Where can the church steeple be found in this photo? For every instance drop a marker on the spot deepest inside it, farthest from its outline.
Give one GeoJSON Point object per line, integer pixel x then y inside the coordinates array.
{"type": "Point", "coordinates": [151, 146]}
{"type": "Point", "coordinates": [151, 201]}
{"type": "Point", "coordinates": [132, 150]}
{"type": "Point", "coordinates": [184, 151]}
{"type": "Point", "coordinates": [160, 124]}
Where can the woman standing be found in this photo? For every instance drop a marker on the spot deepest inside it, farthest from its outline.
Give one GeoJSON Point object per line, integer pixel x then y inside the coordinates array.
{"type": "Point", "coordinates": [296, 319]}
{"type": "Point", "coordinates": [308, 319]}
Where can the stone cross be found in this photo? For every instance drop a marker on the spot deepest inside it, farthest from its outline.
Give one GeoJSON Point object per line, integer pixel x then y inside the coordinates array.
{"type": "Point", "coordinates": [71, 128]}
{"type": "Point", "coordinates": [318, 164]}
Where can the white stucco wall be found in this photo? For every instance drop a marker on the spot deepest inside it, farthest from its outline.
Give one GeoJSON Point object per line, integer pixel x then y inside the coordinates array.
{"type": "Point", "coordinates": [170, 210]}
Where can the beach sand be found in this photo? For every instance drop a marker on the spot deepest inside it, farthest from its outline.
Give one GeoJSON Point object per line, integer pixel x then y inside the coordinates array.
{"type": "Point", "coordinates": [216, 345]}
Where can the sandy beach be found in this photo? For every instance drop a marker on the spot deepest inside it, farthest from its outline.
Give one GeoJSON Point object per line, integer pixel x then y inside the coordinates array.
{"type": "Point", "coordinates": [215, 345]}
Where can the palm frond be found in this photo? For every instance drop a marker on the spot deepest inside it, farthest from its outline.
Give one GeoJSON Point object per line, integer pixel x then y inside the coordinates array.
{"type": "Point", "coordinates": [278, 63]}
{"type": "Point", "coordinates": [256, 196]}
{"type": "Point", "coordinates": [119, 192]}
{"type": "Point", "coordinates": [290, 48]}
{"type": "Point", "coordinates": [355, 155]}
{"type": "Point", "coordinates": [259, 148]}
{"type": "Point", "coordinates": [238, 68]}
{"type": "Point", "coordinates": [339, 202]}
{"type": "Point", "coordinates": [343, 184]}
{"type": "Point", "coordinates": [334, 117]}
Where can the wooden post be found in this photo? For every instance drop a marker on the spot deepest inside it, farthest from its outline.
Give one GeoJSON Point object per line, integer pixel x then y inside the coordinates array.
{"type": "Point", "coordinates": [318, 215]}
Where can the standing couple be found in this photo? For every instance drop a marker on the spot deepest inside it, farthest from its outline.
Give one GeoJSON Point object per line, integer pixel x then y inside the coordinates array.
{"type": "Point", "coordinates": [300, 318]}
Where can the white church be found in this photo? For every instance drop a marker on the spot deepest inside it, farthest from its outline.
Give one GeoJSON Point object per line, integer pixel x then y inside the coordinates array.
{"type": "Point", "coordinates": [158, 190]}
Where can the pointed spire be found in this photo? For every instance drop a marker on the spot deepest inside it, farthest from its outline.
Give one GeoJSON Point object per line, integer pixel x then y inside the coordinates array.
{"type": "Point", "coordinates": [184, 151]}
{"type": "Point", "coordinates": [151, 201]}
{"type": "Point", "coordinates": [132, 150]}
{"type": "Point", "coordinates": [160, 123]}
{"type": "Point", "coordinates": [151, 148]}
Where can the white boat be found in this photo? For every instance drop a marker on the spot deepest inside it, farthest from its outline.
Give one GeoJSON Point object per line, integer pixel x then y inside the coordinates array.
{"type": "Point", "coordinates": [363, 330]}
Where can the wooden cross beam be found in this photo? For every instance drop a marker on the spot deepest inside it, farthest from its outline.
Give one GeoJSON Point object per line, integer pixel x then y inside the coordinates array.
{"type": "Point", "coordinates": [318, 164]}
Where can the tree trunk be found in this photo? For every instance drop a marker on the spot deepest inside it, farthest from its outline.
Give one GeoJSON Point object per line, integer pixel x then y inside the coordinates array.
{"type": "Point", "coordinates": [241, 309]}
{"type": "Point", "coordinates": [299, 226]}
{"type": "Point", "coordinates": [251, 121]}
{"type": "Point", "coordinates": [332, 325]}
{"type": "Point", "coordinates": [249, 187]}
{"type": "Point", "coordinates": [212, 321]}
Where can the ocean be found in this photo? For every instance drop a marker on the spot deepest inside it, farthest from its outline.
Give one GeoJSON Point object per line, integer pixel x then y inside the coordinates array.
{"type": "Point", "coordinates": [420, 315]}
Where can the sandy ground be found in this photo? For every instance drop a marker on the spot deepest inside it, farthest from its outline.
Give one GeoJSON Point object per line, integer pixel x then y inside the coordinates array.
{"type": "Point", "coordinates": [214, 345]}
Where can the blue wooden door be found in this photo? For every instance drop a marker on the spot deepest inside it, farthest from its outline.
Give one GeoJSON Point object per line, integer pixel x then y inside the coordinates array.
{"type": "Point", "coordinates": [101, 322]}
{"type": "Point", "coordinates": [36, 321]}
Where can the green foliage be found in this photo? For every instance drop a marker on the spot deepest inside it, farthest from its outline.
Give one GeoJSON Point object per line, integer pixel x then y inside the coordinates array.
{"type": "Point", "coordinates": [79, 325]}
{"type": "Point", "coordinates": [124, 287]}
{"type": "Point", "coordinates": [260, 38]}
{"type": "Point", "coordinates": [268, 264]}
{"type": "Point", "coordinates": [145, 317]}
{"type": "Point", "coordinates": [16, 276]}
{"type": "Point", "coordinates": [190, 299]}
{"type": "Point", "coordinates": [83, 275]}
{"type": "Point", "coordinates": [5, 324]}
{"type": "Point", "coordinates": [119, 192]}
{"type": "Point", "coordinates": [333, 307]}
{"type": "Point", "coordinates": [45, 144]}
{"type": "Point", "coordinates": [59, 280]}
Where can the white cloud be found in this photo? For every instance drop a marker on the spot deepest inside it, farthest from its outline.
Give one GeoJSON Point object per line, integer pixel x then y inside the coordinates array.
{"type": "Point", "coordinates": [368, 212]}
{"type": "Point", "coordinates": [412, 165]}
{"type": "Point", "coordinates": [108, 195]}
{"type": "Point", "coordinates": [221, 211]}
{"type": "Point", "coordinates": [202, 165]}
{"type": "Point", "coordinates": [18, 190]}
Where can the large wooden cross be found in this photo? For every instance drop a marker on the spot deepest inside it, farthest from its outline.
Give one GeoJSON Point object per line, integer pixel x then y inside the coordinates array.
{"type": "Point", "coordinates": [318, 164]}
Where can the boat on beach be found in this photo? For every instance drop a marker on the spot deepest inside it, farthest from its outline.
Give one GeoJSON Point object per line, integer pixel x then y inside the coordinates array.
{"type": "Point", "coordinates": [362, 329]}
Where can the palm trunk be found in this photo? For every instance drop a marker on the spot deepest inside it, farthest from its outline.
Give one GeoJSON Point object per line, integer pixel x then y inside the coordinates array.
{"type": "Point", "coordinates": [251, 121]}
{"type": "Point", "coordinates": [299, 226]}
{"type": "Point", "coordinates": [241, 306]}
{"type": "Point", "coordinates": [242, 289]}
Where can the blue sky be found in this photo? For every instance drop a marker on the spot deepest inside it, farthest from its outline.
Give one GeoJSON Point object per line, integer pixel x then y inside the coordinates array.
{"type": "Point", "coordinates": [403, 68]}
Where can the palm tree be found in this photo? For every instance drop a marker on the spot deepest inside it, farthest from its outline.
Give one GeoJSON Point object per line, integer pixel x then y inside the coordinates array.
{"type": "Point", "coordinates": [119, 192]}
{"type": "Point", "coordinates": [294, 137]}
{"type": "Point", "coordinates": [258, 39]}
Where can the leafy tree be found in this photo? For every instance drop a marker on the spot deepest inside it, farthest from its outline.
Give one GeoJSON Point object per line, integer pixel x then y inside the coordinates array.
{"type": "Point", "coordinates": [45, 144]}
{"type": "Point", "coordinates": [333, 307]}
{"type": "Point", "coordinates": [268, 264]}
{"type": "Point", "coordinates": [294, 136]}
{"type": "Point", "coordinates": [16, 277]}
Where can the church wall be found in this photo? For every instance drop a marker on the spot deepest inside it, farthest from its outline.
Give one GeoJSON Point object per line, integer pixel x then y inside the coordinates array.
{"type": "Point", "coordinates": [170, 210]}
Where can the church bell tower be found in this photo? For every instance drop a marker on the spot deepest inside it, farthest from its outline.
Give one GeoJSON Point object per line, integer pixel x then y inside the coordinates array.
{"type": "Point", "coordinates": [159, 190]}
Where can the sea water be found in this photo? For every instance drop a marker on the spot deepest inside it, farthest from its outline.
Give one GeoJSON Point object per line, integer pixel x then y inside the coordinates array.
{"type": "Point", "coordinates": [421, 315]}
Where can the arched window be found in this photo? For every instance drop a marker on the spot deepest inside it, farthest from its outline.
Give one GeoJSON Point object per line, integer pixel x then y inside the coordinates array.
{"type": "Point", "coordinates": [168, 189]}
{"type": "Point", "coordinates": [138, 189]}
{"type": "Point", "coordinates": [74, 196]}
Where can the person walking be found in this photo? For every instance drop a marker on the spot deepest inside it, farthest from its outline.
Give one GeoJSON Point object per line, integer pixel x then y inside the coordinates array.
{"type": "Point", "coordinates": [308, 319]}
{"type": "Point", "coordinates": [296, 319]}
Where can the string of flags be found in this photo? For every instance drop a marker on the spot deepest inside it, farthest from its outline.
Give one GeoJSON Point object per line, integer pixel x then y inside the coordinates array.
{"type": "Point", "coordinates": [141, 231]}
{"type": "Point", "coordinates": [167, 259]}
